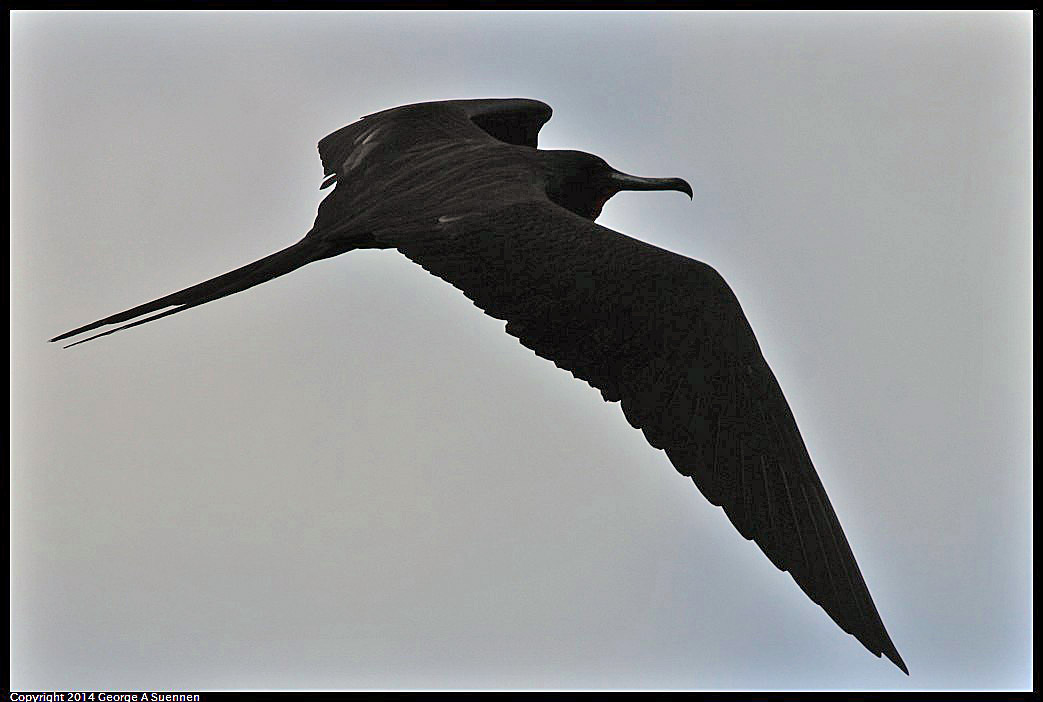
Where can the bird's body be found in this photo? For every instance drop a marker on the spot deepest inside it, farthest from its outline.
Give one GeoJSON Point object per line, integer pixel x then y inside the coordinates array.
{"type": "Point", "coordinates": [460, 188]}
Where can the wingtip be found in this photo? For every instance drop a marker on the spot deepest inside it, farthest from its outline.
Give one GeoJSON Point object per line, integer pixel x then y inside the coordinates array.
{"type": "Point", "coordinates": [889, 652]}
{"type": "Point", "coordinates": [893, 656]}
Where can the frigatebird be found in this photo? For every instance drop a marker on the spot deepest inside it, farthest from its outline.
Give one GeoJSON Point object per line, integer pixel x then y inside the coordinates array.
{"type": "Point", "coordinates": [460, 187]}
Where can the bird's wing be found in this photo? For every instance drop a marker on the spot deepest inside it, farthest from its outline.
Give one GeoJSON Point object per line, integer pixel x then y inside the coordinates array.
{"type": "Point", "coordinates": [515, 121]}
{"type": "Point", "coordinates": [664, 335]}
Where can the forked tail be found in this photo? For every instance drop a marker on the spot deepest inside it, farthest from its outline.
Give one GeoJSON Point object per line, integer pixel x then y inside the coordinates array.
{"type": "Point", "coordinates": [279, 263]}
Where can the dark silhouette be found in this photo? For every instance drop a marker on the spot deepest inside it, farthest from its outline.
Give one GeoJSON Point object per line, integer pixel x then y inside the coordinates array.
{"type": "Point", "coordinates": [460, 188]}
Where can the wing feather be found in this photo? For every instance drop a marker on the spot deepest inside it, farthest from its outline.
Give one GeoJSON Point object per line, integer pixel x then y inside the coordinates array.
{"type": "Point", "coordinates": [514, 121]}
{"type": "Point", "coordinates": [665, 336]}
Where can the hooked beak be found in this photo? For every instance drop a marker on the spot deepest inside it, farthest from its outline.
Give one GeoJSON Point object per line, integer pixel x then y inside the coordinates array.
{"type": "Point", "coordinates": [629, 182]}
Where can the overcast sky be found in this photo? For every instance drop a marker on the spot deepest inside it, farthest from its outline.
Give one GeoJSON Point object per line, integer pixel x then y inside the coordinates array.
{"type": "Point", "coordinates": [351, 478]}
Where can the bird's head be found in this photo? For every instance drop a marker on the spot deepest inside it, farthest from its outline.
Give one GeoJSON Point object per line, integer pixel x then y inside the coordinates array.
{"type": "Point", "coordinates": [583, 183]}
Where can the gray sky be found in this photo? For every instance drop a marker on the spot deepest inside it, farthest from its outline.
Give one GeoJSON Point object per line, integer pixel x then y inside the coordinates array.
{"type": "Point", "coordinates": [351, 478]}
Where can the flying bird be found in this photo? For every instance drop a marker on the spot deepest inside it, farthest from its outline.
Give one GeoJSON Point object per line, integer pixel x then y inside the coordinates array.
{"type": "Point", "coordinates": [461, 188]}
